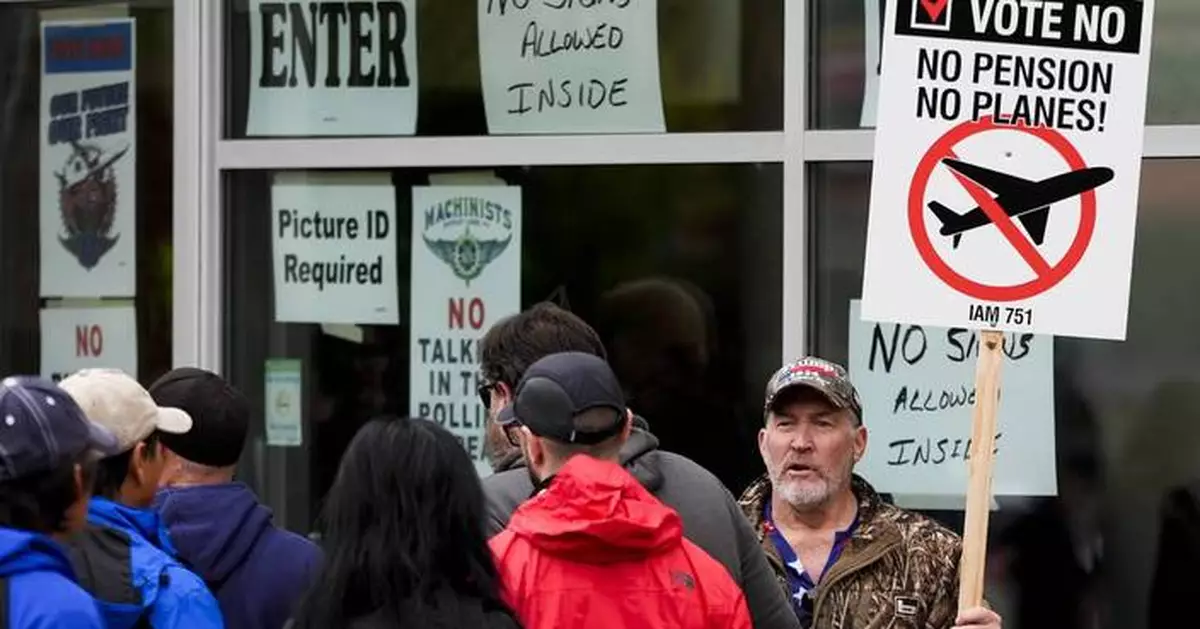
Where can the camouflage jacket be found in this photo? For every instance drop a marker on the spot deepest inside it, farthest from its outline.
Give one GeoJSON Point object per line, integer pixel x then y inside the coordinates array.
{"type": "Point", "coordinates": [899, 570]}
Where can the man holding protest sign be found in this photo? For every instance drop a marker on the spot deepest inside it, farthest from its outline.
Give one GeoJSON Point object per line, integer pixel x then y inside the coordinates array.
{"type": "Point", "coordinates": [1004, 192]}
{"type": "Point", "coordinates": [845, 557]}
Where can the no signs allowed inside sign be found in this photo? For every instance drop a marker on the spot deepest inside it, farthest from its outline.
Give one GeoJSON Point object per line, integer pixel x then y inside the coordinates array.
{"type": "Point", "coordinates": [1007, 163]}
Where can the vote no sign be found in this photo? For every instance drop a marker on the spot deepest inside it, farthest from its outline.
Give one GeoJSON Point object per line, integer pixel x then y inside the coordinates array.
{"type": "Point", "coordinates": [1007, 164]}
{"type": "Point", "coordinates": [77, 338]}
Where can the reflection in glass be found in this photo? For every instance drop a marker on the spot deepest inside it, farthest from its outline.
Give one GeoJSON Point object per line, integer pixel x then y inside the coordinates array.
{"type": "Point", "coordinates": [720, 67]}
{"type": "Point", "coordinates": [841, 45]}
{"type": "Point", "coordinates": [87, 179]}
{"type": "Point", "coordinates": [678, 268]}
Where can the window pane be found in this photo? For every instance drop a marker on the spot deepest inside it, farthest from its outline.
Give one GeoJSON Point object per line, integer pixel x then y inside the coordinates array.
{"type": "Point", "coordinates": [840, 50]}
{"type": "Point", "coordinates": [720, 69]}
{"type": "Point", "coordinates": [1125, 432]}
{"type": "Point", "coordinates": [85, 190]}
{"type": "Point", "coordinates": [704, 338]}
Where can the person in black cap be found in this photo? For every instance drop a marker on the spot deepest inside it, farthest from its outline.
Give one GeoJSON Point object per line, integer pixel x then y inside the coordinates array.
{"type": "Point", "coordinates": [48, 454]}
{"type": "Point", "coordinates": [567, 405]}
{"type": "Point", "coordinates": [593, 548]}
{"type": "Point", "coordinates": [709, 512]}
{"type": "Point", "coordinates": [256, 571]}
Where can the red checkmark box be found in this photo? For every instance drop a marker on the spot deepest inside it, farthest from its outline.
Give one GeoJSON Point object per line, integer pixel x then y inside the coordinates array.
{"type": "Point", "coordinates": [934, 8]}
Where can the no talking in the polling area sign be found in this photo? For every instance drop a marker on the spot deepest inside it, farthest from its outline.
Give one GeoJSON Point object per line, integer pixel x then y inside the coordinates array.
{"type": "Point", "coordinates": [1007, 162]}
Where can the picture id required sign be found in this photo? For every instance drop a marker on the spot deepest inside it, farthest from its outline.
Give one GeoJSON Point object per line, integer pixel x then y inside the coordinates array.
{"type": "Point", "coordinates": [1007, 164]}
{"type": "Point", "coordinates": [334, 247]}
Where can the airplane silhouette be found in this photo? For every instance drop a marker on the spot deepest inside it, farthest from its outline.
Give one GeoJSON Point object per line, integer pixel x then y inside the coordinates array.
{"type": "Point", "coordinates": [1025, 200]}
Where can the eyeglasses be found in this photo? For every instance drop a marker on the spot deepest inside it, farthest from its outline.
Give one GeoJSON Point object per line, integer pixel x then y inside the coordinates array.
{"type": "Point", "coordinates": [485, 393]}
{"type": "Point", "coordinates": [512, 430]}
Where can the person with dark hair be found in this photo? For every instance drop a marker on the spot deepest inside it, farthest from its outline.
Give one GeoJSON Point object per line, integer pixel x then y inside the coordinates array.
{"type": "Point", "coordinates": [257, 571]}
{"type": "Point", "coordinates": [593, 549]}
{"type": "Point", "coordinates": [513, 344]}
{"type": "Point", "coordinates": [403, 537]}
{"type": "Point", "coordinates": [710, 514]}
{"type": "Point", "coordinates": [47, 456]}
{"type": "Point", "coordinates": [125, 557]}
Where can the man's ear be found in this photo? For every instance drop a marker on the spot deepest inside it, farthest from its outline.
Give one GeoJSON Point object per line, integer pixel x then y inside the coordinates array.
{"type": "Point", "coordinates": [860, 442]}
{"type": "Point", "coordinates": [81, 488]}
{"type": "Point", "coordinates": [628, 425]}
{"type": "Point", "coordinates": [505, 392]}
{"type": "Point", "coordinates": [137, 460]}
{"type": "Point", "coordinates": [535, 453]}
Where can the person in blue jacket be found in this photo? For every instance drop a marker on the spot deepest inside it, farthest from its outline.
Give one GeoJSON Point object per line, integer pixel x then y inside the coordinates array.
{"type": "Point", "coordinates": [257, 571]}
{"type": "Point", "coordinates": [47, 455]}
{"type": "Point", "coordinates": [125, 557]}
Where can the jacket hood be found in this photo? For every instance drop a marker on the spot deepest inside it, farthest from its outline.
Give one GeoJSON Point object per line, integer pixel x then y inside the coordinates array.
{"type": "Point", "coordinates": [143, 523]}
{"type": "Point", "coordinates": [597, 512]}
{"type": "Point", "coordinates": [641, 442]}
{"type": "Point", "coordinates": [214, 526]}
{"type": "Point", "coordinates": [22, 552]}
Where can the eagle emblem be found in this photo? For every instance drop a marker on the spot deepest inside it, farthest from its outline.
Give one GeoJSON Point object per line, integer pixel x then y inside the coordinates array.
{"type": "Point", "coordinates": [87, 202]}
{"type": "Point", "coordinates": [467, 255]}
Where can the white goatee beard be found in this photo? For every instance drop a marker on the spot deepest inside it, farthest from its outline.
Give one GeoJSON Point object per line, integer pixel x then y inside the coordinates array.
{"type": "Point", "coordinates": [805, 496]}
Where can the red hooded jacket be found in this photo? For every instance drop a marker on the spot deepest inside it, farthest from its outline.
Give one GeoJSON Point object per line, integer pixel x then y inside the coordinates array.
{"type": "Point", "coordinates": [596, 550]}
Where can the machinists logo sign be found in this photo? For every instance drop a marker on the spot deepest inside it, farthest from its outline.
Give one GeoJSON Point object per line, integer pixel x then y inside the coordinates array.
{"type": "Point", "coordinates": [467, 233]}
{"type": "Point", "coordinates": [465, 276]}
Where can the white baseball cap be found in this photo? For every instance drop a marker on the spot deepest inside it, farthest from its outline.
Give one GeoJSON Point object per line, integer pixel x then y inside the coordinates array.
{"type": "Point", "coordinates": [115, 401]}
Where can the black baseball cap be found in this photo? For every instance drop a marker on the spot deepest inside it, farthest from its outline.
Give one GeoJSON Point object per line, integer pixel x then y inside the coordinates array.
{"type": "Point", "coordinates": [557, 388]}
{"type": "Point", "coordinates": [220, 415]}
{"type": "Point", "coordinates": [42, 427]}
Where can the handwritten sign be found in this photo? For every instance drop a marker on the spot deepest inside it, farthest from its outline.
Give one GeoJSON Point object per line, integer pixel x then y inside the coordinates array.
{"type": "Point", "coordinates": [917, 385]}
{"type": "Point", "coordinates": [570, 66]}
{"type": "Point", "coordinates": [335, 247]}
{"type": "Point", "coordinates": [88, 188]}
{"type": "Point", "coordinates": [333, 68]}
{"type": "Point", "coordinates": [466, 275]}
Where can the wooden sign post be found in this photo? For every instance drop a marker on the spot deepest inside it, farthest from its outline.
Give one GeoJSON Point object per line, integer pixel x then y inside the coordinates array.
{"type": "Point", "coordinates": [979, 487]}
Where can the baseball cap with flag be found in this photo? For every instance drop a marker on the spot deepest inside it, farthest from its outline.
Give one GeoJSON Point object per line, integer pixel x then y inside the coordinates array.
{"type": "Point", "coordinates": [825, 377]}
{"type": "Point", "coordinates": [117, 402]}
{"type": "Point", "coordinates": [41, 427]}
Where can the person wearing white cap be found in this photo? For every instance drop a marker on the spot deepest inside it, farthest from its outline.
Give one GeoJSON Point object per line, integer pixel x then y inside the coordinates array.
{"type": "Point", "coordinates": [125, 557]}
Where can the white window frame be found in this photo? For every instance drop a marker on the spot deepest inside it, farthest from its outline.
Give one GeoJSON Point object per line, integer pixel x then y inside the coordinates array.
{"type": "Point", "coordinates": [202, 156]}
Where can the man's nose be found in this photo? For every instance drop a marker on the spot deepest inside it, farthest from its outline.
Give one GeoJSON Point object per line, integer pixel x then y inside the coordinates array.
{"type": "Point", "coordinates": [801, 441]}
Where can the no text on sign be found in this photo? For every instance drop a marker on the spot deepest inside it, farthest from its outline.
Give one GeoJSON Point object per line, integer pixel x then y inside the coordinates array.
{"type": "Point", "coordinates": [1007, 163]}
{"type": "Point", "coordinates": [1021, 199]}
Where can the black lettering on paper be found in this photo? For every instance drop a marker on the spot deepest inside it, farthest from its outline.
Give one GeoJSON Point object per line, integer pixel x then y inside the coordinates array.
{"type": "Point", "coordinates": [583, 39]}
{"type": "Point", "coordinates": [297, 38]}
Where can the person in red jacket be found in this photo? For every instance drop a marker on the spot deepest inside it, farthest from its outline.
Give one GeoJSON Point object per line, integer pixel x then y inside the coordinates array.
{"type": "Point", "coordinates": [593, 548]}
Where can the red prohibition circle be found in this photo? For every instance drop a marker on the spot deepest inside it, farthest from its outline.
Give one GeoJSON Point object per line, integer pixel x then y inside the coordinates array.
{"type": "Point", "coordinates": [916, 214]}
